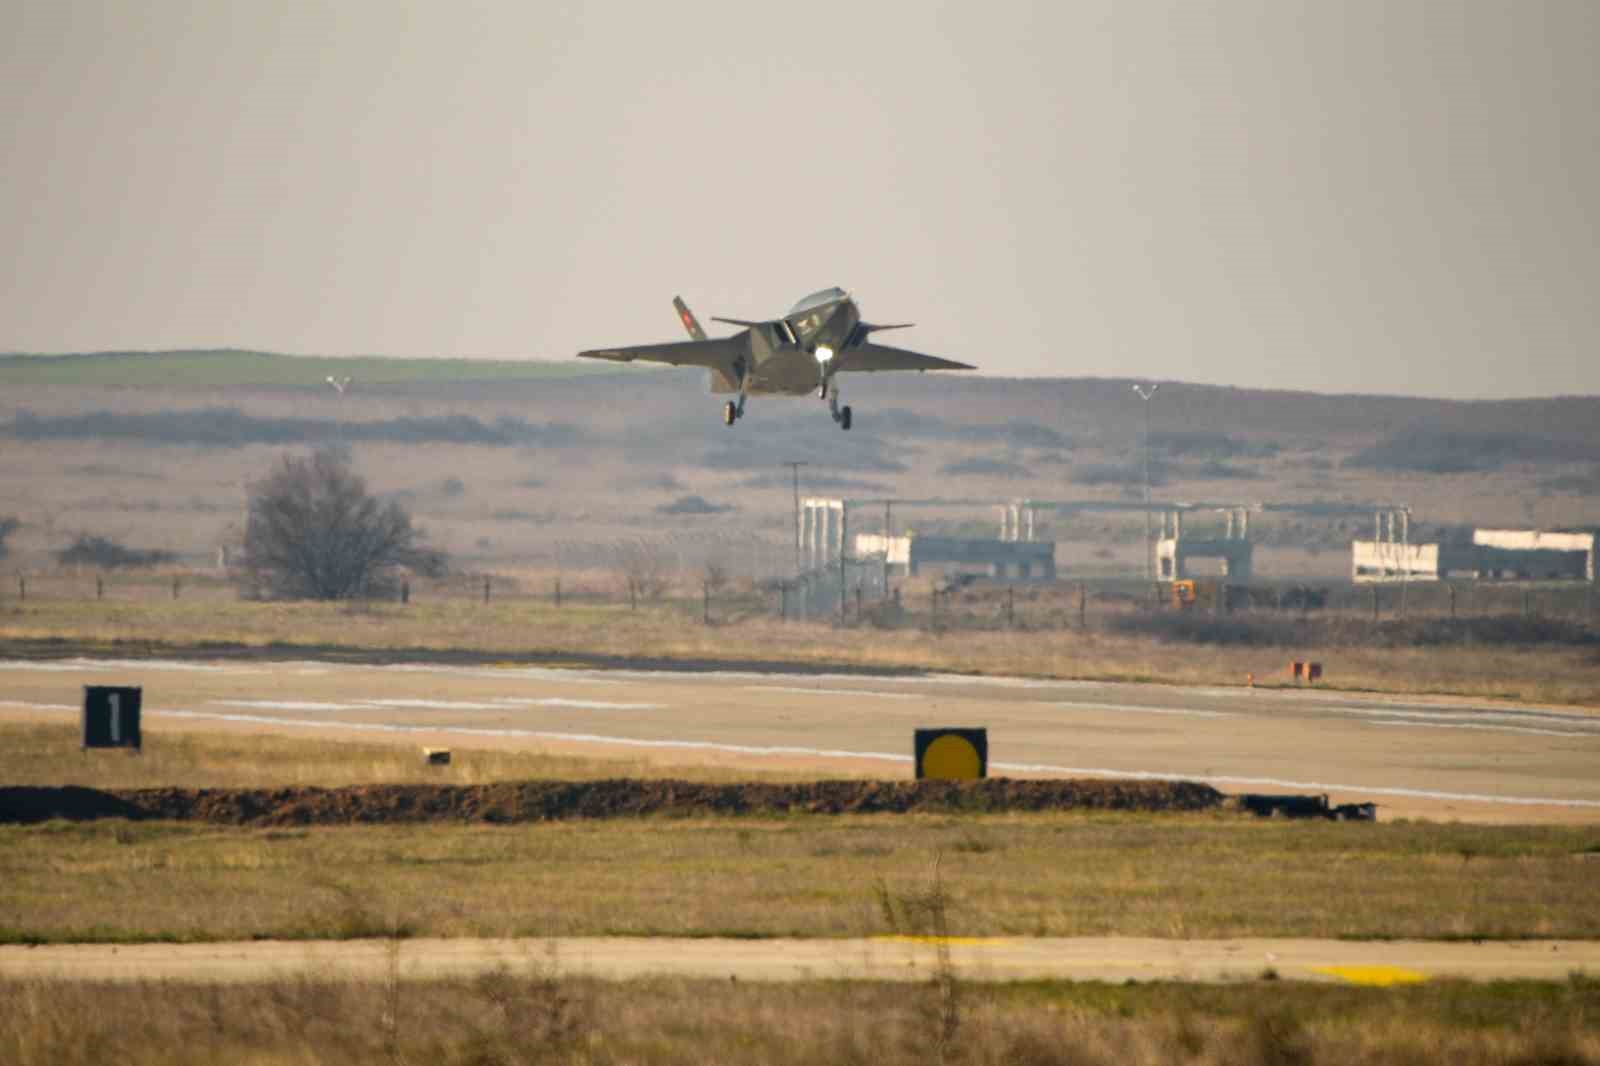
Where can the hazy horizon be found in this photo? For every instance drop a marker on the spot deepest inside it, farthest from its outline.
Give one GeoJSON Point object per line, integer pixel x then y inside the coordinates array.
{"type": "Point", "coordinates": [1341, 198]}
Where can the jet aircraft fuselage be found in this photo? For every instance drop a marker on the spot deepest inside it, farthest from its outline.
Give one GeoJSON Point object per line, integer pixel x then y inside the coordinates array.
{"type": "Point", "coordinates": [798, 352]}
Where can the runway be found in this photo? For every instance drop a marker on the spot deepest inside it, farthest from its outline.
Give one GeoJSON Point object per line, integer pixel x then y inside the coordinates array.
{"type": "Point", "coordinates": [877, 958]}
{"type": "Point", "coordinates": [1441, 759]}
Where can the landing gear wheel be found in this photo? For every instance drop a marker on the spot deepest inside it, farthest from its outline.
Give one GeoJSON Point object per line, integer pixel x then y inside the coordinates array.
{"type": "Point", "coordinates": [844, 417]}
{"type": "Point", "coordinates": [730, 413]}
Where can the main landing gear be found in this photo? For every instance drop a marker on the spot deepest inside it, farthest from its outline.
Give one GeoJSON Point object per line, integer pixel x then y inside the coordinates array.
{"type": "Point", "coordinates": [841, 415]}
{"type": "Point", "coordinates": [732, 412]}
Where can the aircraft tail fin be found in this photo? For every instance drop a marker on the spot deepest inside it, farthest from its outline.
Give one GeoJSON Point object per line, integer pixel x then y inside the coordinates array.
{"type": "Point", "coordinates": [686, 316]}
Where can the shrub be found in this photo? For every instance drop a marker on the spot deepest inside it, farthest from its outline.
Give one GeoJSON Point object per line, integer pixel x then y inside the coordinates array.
{"type": "Point", "coordinates": [90, 550]}
{"type": "Point", "coordinates": [315, 532]}
{"type": "Point", "coordinates": [692, 505]}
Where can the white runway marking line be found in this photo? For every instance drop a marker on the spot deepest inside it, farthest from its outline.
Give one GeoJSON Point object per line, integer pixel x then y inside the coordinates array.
{"type": "Point", "coordinates": [1449, 718]}
{"type": "Point", "coordinates": [582, 705]}
{"type": "Point", "coordinates": [286, 705]}
{"type": "Point", "coordinates": [509, 673]}
{"type": "Point", "coordinates": [801, 689]}
{"type": "Point", "coordinates": [500, 703]}
{"type": "Point", "coordinates": [26, 706]}
{"type": "Point", "coordinates": [1526, 730]}
{"type": "Point", "coordinates": [834, 753]}
{"type": "Point", "coordinates": [1356, 704]}
{"type": "Point", "coordinates": [1139, 708]}
{"type": "Point", "coordinates": [430, 705]}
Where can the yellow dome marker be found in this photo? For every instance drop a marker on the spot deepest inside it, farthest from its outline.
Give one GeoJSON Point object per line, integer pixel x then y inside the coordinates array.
{"type": "Point", "coordinates": [952, 754]}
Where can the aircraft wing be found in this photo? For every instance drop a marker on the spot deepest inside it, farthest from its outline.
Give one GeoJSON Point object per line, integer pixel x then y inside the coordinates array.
{"type": "Point", "coordinates": [719, 354]}
{"type": "Point", "coordinates": [868, 357]}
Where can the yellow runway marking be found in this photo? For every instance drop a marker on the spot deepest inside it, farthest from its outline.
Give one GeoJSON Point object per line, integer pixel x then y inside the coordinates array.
{"type": "Point", "coordinates": [1382, 976]}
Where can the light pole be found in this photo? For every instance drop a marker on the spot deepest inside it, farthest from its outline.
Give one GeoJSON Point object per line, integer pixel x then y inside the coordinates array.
{"type": "Point", "coordinates": [1149, 560]}
{"type": "Point", "coordinates": [795, 466]}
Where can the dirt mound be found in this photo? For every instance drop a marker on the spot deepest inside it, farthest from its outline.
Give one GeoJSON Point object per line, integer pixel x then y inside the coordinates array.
{"type": "Point", "coordinates": [539, 801]}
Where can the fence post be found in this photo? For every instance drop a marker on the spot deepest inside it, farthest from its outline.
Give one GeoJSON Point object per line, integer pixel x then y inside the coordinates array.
{"type": "Point", "coordinates": [22, 589]}
{"type": "Point", "coordinates": [858, 603]}
{"type": "Point", "coordinates": [99, 588]}
{"type": "Point", "coordinates": [933, 608]}
{"type": "Point", "coordinates": [1452, 603]}
{"type": "Point", "coordinates": [1374, 603]}
{"type": "Point", "coordinates": [1011, 617]}
{"type": "Point", "coordinates": [1083, 607]}
{"type": "Point", "coordinates": [783, 601]}
{"type": "Point", "coordinates": [705, 602]}
{"type": "Point", "coordinates": [558, 592]}
{"type": "Point", "coordinates": [1527, 603]}
{"type": "Point", "coordinates": [405, 592]}
{"type": "Point", "coordinates": [175, 586]}
{"type": "Point", "coordinates": [485, 590]}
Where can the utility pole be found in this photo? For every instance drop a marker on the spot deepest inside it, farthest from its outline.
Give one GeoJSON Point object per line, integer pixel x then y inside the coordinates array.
{"type": "Point", "coordinates": [844, 534]}
{"type": "Point", "coordinates": [888, 531]}
{"type": "Point", "coordinates": [1405, 556]}
{"type": "Point", "coordinates": [795, 465]}
{"type": "Point", "coordinates": [1149, 552]}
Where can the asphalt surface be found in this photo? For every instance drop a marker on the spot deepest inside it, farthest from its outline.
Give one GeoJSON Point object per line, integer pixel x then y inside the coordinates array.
{"type": "Point", "coordinates": [1470, 760]}
{"type": "Point", "coordinates": [882, 959]}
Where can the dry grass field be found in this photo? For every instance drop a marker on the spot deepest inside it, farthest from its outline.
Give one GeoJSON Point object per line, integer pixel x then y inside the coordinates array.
{"type": "Point", "coordinates": [545, 471]}
{"type": "Point", "coordinates": [532, 480]}
{"type": "Point", "coordinates": [534, 1015]}
{"type": "Point", "coordinates": [1033, 875]}
{"type": "Point", "coordinates": [207, 620]}
{"type": "Point", "coordinates": [1213, 875]}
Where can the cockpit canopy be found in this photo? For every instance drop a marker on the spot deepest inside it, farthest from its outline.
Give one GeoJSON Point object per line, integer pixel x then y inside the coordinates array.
{"type": "Point", "coordinates": [818, 299]}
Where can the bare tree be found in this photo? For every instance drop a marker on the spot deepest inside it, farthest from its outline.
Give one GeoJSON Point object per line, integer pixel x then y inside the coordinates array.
{"type": "Point", "coordinates": [713, 579]}
{"type": "Point", "coordinates": [314, 532]}
{"type": "Point", "coordinates": [643, 567]}
{"type": "Point", "coordinates": [715, 576]}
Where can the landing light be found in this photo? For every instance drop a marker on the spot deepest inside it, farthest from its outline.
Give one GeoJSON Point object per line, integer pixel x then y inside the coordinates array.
{"type": "Point", "coordinates": [824, 353]}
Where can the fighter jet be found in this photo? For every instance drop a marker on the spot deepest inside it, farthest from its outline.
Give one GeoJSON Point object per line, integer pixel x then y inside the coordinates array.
{"type": "Point", "coordinates": [802, 351]}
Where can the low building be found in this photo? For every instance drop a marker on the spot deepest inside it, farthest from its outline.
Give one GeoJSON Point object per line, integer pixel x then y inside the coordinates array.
{"type": "Point", "coordinates": [1534, 554]}
{"type": "Point", "coordinates": [1016, 560]}
{"type": "Point", "coordinates": [1494, 554]}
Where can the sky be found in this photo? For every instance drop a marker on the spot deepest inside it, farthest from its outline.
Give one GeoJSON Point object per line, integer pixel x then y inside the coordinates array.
{"type": "Point", "coordinates": [1389, 196]}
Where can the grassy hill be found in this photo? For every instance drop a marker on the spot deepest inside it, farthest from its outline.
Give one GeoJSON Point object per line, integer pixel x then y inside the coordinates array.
{"type": "Point", "coordinates": [233, 366]}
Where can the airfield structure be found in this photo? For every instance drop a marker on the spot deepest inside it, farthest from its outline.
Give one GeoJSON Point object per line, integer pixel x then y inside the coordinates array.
{"type": "Point", "coordinates": [1494, 554]}
{"type": "Point", "coordinates": [1015, 554]}
{"type": "Point", "coordinates": [1174, 550]}
{"type": "Point", "coordinates": [1534, 554]}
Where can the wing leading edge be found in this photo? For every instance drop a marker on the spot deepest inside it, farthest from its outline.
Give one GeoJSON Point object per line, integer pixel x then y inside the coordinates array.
{"type": "Point", "coordinates": [719, 354]}
{"type": "Point", "coordinates": [871, 357]}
